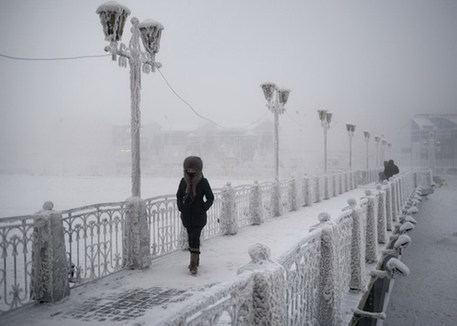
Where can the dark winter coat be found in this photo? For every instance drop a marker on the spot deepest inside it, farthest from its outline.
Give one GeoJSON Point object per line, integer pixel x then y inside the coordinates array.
{"type": "Point", "coordinates": [193, 212]}
{"type": "Point", "coordinates": [391, 169]}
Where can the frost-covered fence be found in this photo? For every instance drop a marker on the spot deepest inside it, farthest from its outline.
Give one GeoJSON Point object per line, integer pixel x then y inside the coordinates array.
{"type": "Point", "coordinates": [94, 241]}
{"type": "Point", "coordinates": [315, 274]}
{"type": "Point", "coordinates": [16, 261]}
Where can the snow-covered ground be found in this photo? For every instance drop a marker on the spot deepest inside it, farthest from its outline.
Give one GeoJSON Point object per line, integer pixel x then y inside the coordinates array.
{"type": "Point", "coordinates": [25, 194]}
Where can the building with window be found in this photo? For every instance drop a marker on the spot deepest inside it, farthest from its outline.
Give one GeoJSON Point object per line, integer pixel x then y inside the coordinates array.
{"type": "Point", "coordinates": [431, 139]}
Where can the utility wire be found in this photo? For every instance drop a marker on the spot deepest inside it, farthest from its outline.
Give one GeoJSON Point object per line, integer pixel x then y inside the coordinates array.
{"type": "Point", "coordinates": [195, 111]}
{"type": "Point", "coordinates": [160, 72]}
{"type": "Point", "coordinates": [54, 59]}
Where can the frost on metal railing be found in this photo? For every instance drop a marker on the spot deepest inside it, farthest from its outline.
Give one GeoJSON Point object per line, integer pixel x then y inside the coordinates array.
{"type": "Point", "coordinates": [165, 224]}
{"type": "Point", "coordinates": [16, 236]}
{"type": "Point", "coordinates": [267, 189]}
{"type": "Point", "coordinates": [212, 228]}
{"type": "Point", "coordinates": [242, 194]}
{"type": "Point", "coordinates": [93, 237]}
{"type": "Point", "coordinates": [343, 244]}
{"type": "Point", "coordinates": [302, 264]}
{"type": "Point", "coordinates": [229, 303]}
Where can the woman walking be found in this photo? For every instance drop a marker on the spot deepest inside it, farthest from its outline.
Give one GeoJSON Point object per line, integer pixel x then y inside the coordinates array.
{"type": "Point", "coordinates": [192, 190]}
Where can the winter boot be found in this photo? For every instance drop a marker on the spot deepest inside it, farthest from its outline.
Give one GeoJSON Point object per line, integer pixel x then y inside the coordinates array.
{"type": "Point", "coordinates": [194, 261]}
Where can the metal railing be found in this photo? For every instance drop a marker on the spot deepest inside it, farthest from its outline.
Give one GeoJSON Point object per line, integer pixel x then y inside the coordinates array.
{"type": "Point", "coordinates": [94, 233]}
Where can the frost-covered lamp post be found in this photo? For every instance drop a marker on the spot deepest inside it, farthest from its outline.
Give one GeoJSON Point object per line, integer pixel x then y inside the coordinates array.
{"type": "Point", "coordinates": [136, 237]}
{"type": "Point", "coordinates": [326, 118]}
{"type": "Point", "coordinates": [377, 139]}
{"type": "Point", "coordinates": [276, 99]}
{"type": "Point", "coordinates": [431, 151]}
{"type": "Point", "coordinates": [383, 149]}
{"type": "Point", "coordinates": [113, 17]}
{"type": "Point", "coordinates": [350, 129]}
{"type": "Point", "coordinates": [366, 135]}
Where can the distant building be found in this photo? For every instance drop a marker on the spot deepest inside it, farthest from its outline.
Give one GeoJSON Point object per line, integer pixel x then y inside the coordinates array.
{"type": "Point", "coordinates": [223, 149]}
{"type": "Point", "coordinates": [431, 139]}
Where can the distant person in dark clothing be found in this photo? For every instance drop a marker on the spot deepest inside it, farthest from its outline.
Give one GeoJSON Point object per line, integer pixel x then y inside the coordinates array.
{"type": "Point", "coordinates": [391, 169]}
{"type": "Point", "coordinates": [190, 200]}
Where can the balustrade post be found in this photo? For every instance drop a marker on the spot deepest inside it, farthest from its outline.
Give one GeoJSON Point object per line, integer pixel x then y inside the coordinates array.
{"type": "Point", "coordinates": [357, 281]}
{"type": "Point", "coordinates": [326, 191]}
{"type": "Point", "coordinates": [276, 198]}
{"type": "Point", "coordinates": [317, 189]}
{"type": "Point", "coordinates": [346, 183]}
{"type": "Point", "coordinates": [394, 201]}
{"type": "Point", "coordinates": [269, 292]}
{"type": "Point", "coordinates": [381, 218]}
{"type": "Point", "coordinates": [371, 240]}
{"type": "Point", "coordinates": [307, 191]}
{"type": "Point", "coordinates": [49, 276]}
{"type": "Point", "coordinates": [136, 240]}
{"type": "Point", "coordinates": [228, 220]}
{"type": "Point", "coordinates": [292, 195]}
{"type": "Point", "coordinates": [329, 298]}
{"type": "Point", "coordinates": [256, 205]}
{"type": "Point", "coordinates": [340, 183]}
{"type": "Point", "coordinates": [388, 188]}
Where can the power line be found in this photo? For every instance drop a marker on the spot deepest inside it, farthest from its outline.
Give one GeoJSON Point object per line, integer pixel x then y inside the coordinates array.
{"type": "Point", "coordinates": [54, 59]}
{"type": "Point", "coordinates": [195, 111]}
{"type": "Point", "coordinates": [161, 74]}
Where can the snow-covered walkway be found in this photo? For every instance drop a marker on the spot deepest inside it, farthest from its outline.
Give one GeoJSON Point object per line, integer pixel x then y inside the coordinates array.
{"type": "Point", "coordinates": [145, 297]}
{"type": "Point", "coordinates": [428, 296]}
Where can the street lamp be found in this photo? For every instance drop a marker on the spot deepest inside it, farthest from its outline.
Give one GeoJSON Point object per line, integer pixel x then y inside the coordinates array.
{"type": "Point", "coordinates": [113, 17]}
{"type": "Point", "coordinates": [431, 151]}
{"type": "Point", "coordinates": [366, 135]}
{"type": "Point", "coordinates": [325, 117]}
{"type": "Point", "coordinates": [350, 129]}
{"type": "Point", "coordinates": [383, 149]}
{"type": "Point", "coordinates": [377, 139]}
{"type": "Point", "coordinates": [276, 99]}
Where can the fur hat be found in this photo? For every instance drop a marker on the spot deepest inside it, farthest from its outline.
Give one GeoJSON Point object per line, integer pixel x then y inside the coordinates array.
{"type": "Point", "coordinates": [193, 162]}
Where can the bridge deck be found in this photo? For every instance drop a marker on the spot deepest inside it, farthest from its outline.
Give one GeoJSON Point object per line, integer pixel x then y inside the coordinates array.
{"type": "Point", "coordinates": [145, 297]}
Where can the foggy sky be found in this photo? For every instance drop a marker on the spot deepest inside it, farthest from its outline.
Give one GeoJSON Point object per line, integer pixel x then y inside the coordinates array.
{"type": "Point", "coordinates": [372, 63]}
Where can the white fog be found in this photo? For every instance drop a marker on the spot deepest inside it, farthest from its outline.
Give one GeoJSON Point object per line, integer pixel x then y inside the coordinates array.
{"type": "Point", "coordinates": [372, 64]}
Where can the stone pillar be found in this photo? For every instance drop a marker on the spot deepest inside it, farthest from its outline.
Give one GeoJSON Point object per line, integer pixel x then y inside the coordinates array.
{"type": "Point", "coordinates": [394, 200]}
{"type": "Point", "coordinates": [329, 297]}
{"type": "Point", "coordinates": [49, 276]}
{"type": "Point", "coordinates": [381, 218]}
{"type": "Point", "coordinates": [136, 241]}
{"type": "Point", "coordinates": [357, 281]}
{"type": "Point", "coordinates": [346, 182]}
{"type": "Point", "coordinates": [269, 292]}
{"type": "Point", "coordinates": [388, 205]}
{"type": "Point", "coordinates": [256, 205]}
{"type": "Point", "coordinates": [317, 189]}
{"type": "Point", "coordinates": [228, 220]}
{"type": "Point", "coordinates": [371, 230]}
{"type": "Point", "coordinates": [307, 192]}
{"type": "Point", "coordinates": [276, 199]}
{"type": "Point", "coordinates": [340, 183]}
{"type": "Point", "coordinates": [293, 202]}
{"type": "Point", "coordinates": [326, 191]}
{"type": "Point", "coordinates": [334, 185]}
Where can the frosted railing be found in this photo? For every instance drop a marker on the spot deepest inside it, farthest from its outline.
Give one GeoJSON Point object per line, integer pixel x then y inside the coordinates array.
{"type": "Point", "coordinates": [16, 261]}
{"type": "Point", "coordinates": [93, 234]}
{"type": "Point", "coordinates": [302, 265]}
